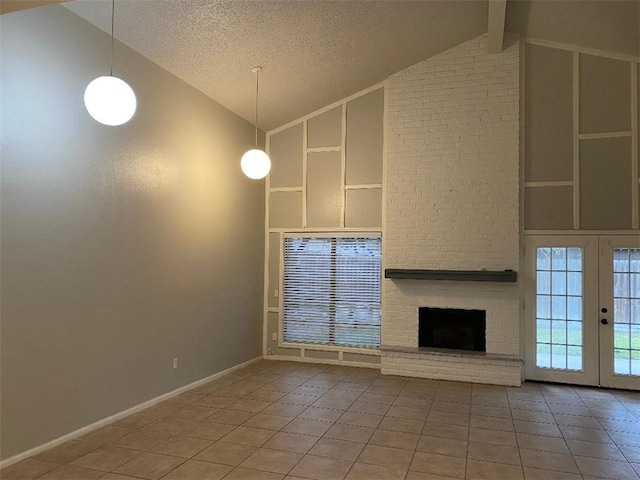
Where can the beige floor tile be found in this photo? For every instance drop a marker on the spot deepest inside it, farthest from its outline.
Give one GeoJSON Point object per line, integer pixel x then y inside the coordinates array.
{"type": "Point", "coordinates": [367, 471]}
{"type": "Point", "coordinates": [427, 476]}
{"type": "Point", "coordinates": [27, 469]}
{"type": "Point", "coordinates": [577, 421]}
{"type": "Point", "coordinates": [384, 390]}
{"type": "Point", "coordinates": [310, 390]}
{"type": "Point", "coordinates": [185, 447]}
{"type": "Point", "coordinates": [630, 426]}
{"type": "Point", "coordinates": [444, 406]}
{"type": "Point", "coordinates": [450, 418]}
{"type": "Point", "coordinates": [351, 433]}
{"type": "Point", "coordinates": [407, 412]}
{"type": "Point", "coordinates": [160, 409]}
{"type": "Point", "coordinates": [299, 399]}
{"type": "Point", "coordinates": [452, 396]}
{"type": "Point", "coordinates": [537, 428]}
{"type": "Point", "coordinates": [276, 461]}
{"type": "Point", "coordinates": [106, 459]}
{"type": "Point", "coordinates": [333, 448]}
{"type": "Point", "coordinates": [389, 438]}
{"type": "Point", "coordinates": [66, 452]}
{"type": "Point", "coordinates": [489, 411]}
{"type": "Point", "coordinates": [291, 442]}
{"type": "Point", "coordinates": [322, 414]}
{"type": "Point", "coordinates": [598, 467]}
{"type": "Point", "coordinates": [193, 412]}
{"type": "Point", "coordinates": [493, 453]}
{"type": "Point", "coordinates": [71, 472]}
{"type": "Point", "coordinates": [216, 401]}
{"type": "Point", "coordinates": [321, 468]}
{"type": "Point", "coordinates": [444, 465]}
{"type": "Point", "coordinates": [435, 429]}
{"type": "Point", "coordinates": [335, 403]}
{"type": "Point", "coordinates": [368, 407]}
{"type": "Point", "coordinates": [267, 422]}
{"type": "Point", "coordinates": [284, 409]}
{"type": "Point", "coordinates": [606, 451]}
{"type": "Point", "coordinates": [265, 395]}
{"type": "Point", "coordinates": [632, 454]}
{"type": "Point", "coordinates": [197, 470]}
{"type": "Point", "coordinates": [105, 435]}
{"type": "Point", "coordinates": [248, 474]}
{"type": "Point", "coordinates": [226, 453]}
{"type": "Point", "coordinates": [210, 430]}
{"type": "Point", "coordinates": [137, 420]}
{"type": "Point", "coordinates": [187, 397]}
{"type": "Point", "coordinates": [247, 405]}
{"type": "Point", "coordinates": [494, 423]}
{"type": "Point", "coordinates": [552, 461]}
{"type": "Point", "coordinates": [230, 417]}
{"type": "Point", "coordinates": [586, 434]}
{"type": "Point", "coordinates": [171, 426]}
{"type": "Point", "coordinates": [531, 473]}
{"type": "Point", "coordinates": [442, 446]}
{"type": "Point", "coordinates": [399, 424]}
{"type": "Point", "coordinates": [150, 466]}
{"type": "Point", "coordinates": [413, 402]}
{"type": "Point", "coordinates": [306, 426]}
{"type": "Point", "coordinates": [497, 437]}
{"type": "Point", "coordinates": [141, 440]}
{"type": "Point", "coordinates": [255, 437]}
{"type": "Point", "coordinates": [386, 456]}
{"type": "Point", "coordinates": [625, 438]}
{"type": "Point", "coordinates": [541, 442]}
{"type": "Point", "coordinates": [360, 419]}
{"type": "Point", "coordinates": [479, 469]}
{"type": "Point", "coordinates": [377, 398]}
{"type": "Point", "coordinates": [115, 476]}
{"type": "Point", "coordinates": [533, 416]}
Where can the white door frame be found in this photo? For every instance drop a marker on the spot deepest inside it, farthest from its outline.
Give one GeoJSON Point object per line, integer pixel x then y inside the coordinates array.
{"type": "Point", "coordinates": [589, 375]}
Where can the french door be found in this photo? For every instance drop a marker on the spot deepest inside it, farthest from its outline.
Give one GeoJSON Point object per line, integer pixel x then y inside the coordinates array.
{"type": "Point", "coordinates": [583, 310]}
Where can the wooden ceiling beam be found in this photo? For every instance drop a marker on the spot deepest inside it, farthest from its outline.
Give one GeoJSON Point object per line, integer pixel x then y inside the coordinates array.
{"type": "Point", "coordinates": [497, 14]}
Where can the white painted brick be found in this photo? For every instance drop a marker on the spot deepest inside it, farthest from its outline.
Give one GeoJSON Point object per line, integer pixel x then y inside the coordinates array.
{"type": "Point", "coordinates": [452, 193]}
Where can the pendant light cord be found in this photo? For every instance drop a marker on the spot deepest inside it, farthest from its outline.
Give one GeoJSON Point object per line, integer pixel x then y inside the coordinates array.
{"type": "Point", "coordinates": [113, 11]}
{"type": "Point", "coordinates": [257, 77]}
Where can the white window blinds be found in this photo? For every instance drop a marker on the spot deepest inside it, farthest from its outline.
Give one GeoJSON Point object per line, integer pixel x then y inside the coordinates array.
{"type": "Point", "coordinates": [331, 292]}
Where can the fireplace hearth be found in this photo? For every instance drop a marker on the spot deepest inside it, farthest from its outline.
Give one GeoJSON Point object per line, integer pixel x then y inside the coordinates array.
{"type": "Point", "coordinates": [452, 328]}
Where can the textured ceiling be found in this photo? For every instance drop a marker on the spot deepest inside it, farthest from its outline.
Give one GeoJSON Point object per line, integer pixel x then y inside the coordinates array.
{"type": "Point", "coordinates": [316, 52]}
{"type": "Point", "coordinates": [313, 52]}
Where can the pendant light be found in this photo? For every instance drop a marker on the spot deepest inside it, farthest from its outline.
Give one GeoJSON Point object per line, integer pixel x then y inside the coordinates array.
{"type": "Point", "coordinates": [108, 99]}
{"type": "Point", "coordinates": [256, 163]}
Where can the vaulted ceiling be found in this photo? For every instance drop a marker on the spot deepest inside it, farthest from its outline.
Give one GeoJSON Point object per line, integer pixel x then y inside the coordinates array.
{"type": "Point", "coordinates": [315, 52]}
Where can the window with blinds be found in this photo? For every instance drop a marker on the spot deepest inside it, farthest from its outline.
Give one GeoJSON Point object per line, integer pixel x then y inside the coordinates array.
{"type": "Point", "coordinates": [331, 291]}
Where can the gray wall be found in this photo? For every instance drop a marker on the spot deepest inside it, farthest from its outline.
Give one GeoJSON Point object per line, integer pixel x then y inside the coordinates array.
{"type": "Point", "coordinates": [122, 247]}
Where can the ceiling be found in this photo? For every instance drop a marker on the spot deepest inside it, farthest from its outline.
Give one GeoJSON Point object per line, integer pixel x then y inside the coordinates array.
{"type": "Point", "coordinates": [316, 52]}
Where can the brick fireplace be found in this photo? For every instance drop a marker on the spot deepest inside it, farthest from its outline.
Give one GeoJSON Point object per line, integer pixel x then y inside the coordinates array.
{"type": "Point", "coordinates": [452, 202]}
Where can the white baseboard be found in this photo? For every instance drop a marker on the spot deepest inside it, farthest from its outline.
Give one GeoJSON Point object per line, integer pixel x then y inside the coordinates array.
{"type": "Point", "coordinates": [106, 421]}
{"type": "Point", "coordinates": [324, 361]}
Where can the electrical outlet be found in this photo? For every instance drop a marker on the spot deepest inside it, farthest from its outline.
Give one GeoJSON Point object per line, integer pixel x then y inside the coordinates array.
{"type": "Point", "coordinates": [276, 293]}
{"type": "Point", "coordinates": [274, 337]}
{"type": "Point", "coordinates": [268, 351]}
{"type": "Point", "coordinates": [175, 363]}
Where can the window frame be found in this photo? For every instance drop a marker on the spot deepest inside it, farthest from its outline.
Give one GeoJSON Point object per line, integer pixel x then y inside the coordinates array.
{"type": "Point", "coordinates": [320, 346]}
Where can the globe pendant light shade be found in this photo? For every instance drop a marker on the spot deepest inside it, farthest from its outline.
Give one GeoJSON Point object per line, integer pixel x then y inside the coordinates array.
{"type": "Point", "coordinates": [110, 100]}
{"type": "Point", "coordinates": [255, 164]}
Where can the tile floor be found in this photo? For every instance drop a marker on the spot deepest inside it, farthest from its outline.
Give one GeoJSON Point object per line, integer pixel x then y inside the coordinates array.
{"type": "Point", "coordinates": [279, 420]}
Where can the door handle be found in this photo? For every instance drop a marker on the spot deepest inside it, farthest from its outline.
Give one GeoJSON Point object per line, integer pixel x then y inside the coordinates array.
{"type": "Point", "coordinates": [604, 321]}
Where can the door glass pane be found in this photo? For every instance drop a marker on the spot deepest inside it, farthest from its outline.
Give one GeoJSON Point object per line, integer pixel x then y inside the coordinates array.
{"type": "Point", "coordinates": [626, 311]}
{"type": "Point", "coordinates": [559, 308]}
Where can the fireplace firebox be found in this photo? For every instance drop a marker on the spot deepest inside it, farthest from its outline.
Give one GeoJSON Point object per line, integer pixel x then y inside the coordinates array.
{"type": "Point", "coordinates": [452, 328]}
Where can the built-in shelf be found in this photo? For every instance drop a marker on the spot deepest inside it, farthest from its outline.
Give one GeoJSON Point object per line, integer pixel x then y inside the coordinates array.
{"type": "Point", "coordinates": [456, 275]}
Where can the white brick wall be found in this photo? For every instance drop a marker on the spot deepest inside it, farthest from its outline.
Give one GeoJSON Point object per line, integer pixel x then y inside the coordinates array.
{"type": "Point", "coordinates": [452, 197]}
